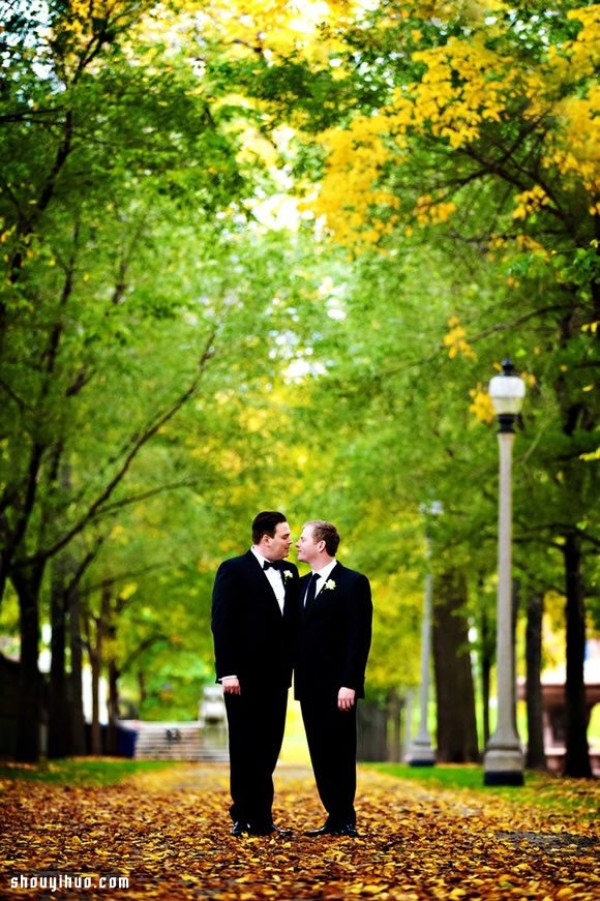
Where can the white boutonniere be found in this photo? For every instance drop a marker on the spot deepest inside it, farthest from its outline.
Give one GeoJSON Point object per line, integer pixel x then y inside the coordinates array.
{"type": "Point", "coordinates": [288, 574]}
{"type": "Point", "coordinates": [329, 584]}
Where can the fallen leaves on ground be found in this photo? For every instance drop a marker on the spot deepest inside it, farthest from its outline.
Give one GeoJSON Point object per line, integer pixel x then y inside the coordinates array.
{"type": "Point", "coordinates": [168, 834]}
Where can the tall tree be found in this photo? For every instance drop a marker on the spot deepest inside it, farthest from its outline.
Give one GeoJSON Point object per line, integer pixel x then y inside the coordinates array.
{"type": "Point", "coordinates": [86, 203]}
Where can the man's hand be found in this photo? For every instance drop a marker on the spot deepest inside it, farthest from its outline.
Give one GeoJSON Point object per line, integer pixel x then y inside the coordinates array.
{"type": "Point", "coordinates": [231, 685]}
{"type": "Point", "coordinates": [346, 697]}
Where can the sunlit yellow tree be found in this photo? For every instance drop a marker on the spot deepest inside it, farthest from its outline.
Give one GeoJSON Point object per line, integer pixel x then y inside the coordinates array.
{"type": "Point", "coordinates": [483, 131]}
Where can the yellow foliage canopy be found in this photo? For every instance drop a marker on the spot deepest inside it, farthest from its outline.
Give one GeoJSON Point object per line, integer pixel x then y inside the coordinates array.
{"type": "Point", "coordinates": [465, 87]}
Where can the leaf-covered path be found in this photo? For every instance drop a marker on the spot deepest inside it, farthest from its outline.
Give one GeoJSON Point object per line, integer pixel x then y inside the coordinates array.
{"type": "Point", "coordinates": [168, 835]}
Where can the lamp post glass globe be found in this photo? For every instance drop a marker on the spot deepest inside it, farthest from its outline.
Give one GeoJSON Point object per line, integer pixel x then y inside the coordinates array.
{"type": "Point", "coordinates": [507, 391]}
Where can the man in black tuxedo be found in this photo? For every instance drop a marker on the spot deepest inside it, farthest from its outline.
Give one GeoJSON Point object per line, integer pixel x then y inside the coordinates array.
{"type": "Point", "coordinates": [253, 605]}
{"type": "Point", "coordinates": [333, 641]}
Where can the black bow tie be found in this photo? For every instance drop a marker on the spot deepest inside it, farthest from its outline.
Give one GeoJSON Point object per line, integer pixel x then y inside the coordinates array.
{"type": "Point", "coordinates": [269, 563]}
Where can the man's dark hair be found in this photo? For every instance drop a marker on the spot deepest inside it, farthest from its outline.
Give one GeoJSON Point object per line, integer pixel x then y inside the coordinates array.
{"type": "Point", "coordinates": [327, 532]}
{"type": "Point", "coordinates": [265, 523]}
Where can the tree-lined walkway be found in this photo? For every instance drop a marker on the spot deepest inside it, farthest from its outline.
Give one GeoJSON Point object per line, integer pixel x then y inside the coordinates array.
{"type": "Point", "coordinates": [168, 834]}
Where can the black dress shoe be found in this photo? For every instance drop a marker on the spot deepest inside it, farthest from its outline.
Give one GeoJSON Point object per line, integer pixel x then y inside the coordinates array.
{"type": "Point", "coordinates": [324, 830]}
{"type": "Point", "coordinates": [348, 829]}
{"type": "Point", "coordinates": [267, 829]}
{"type": "Point", "coordinates": [240, 828]}
{"type": "Point", "coordinates": [283, 832]}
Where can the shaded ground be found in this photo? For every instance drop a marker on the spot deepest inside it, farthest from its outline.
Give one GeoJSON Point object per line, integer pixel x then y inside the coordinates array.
{"type": "Point", "coordinates": [168, 835]}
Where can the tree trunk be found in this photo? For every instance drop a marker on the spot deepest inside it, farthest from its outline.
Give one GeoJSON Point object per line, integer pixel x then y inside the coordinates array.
{"type": "Point", "coordinates": [487, 661]}
{"type": "Point", "coordinates": [96, 747]}
{"type": "Point", "coordinates": [78, 747]}
{"type": "Point", "coordinates": [577, 757]}
{"type": "Point", "coordinates": [142, 691]}
{"type": "Point", "coordinates": [95, 645]}
{"type": "Point", "coordinates": [114, 672]}
{"type": "Point", "coordinates": [395, 705]}
{"type": "Point", "coordinates": [27, 585]}
{"type": "Point", "coordinates": [58, 703]}
{"type": "Point", "coordinates": [536, 757]}
{"type": "Point", "coordinates": [456, 723]}
{"type": "Point", "coordinates": [94, 649]}
{"type": "Point", "coordinates": [113, 707]}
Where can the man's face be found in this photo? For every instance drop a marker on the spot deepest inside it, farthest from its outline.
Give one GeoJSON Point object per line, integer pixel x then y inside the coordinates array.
{"type": "Point", "coordinates": [279, 545]}
{"type": "Point", "coordinates": [308, 548]}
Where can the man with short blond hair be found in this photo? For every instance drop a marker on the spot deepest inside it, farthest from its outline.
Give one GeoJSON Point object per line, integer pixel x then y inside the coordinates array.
{"type": "Point", "coordinates": [333, 641]}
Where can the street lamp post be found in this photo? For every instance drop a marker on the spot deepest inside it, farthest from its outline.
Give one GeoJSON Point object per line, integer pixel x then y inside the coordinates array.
{"type": "Point", "coordinates": [503, 761]}
{"type": "Point", "coordinates": [421, 751]}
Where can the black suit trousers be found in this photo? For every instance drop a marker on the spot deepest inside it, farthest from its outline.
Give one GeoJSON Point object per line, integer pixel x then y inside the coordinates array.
{"type": "Point", "coordinates": [256, 721]}
{"type": "Point", "coordinates": [331, 736]}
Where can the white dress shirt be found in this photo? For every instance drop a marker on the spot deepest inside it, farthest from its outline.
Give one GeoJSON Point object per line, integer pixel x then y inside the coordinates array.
{"type": "Point", "coordinates": [274, 577]}
{"type": "Point", "coordinates": [322, 576]}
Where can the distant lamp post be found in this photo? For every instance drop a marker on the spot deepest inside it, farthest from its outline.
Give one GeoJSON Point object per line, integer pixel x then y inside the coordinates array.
{"type": "Point", "coordinates": [420, 751]}
{"type": "Point", "coordinates": [503, 761]}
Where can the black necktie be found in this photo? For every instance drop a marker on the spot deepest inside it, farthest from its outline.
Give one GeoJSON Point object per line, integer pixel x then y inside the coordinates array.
{"type": "Point", "coordinates": [268, 564]}
{"type": "Point", "coordinates": [310, 591]}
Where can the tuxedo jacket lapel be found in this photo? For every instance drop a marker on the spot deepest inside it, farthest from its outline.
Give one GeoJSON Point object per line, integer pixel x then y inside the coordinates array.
{"type": "Point", "coordinates": [264, 588]}
{"type": "Point", "coordinates": [302, 593]}
{"type": "Point", "coordinates": [325, 585]}
{"type": "Point", "coordinates": [288, 584]}
{"type": "Point", "coordinates": [322, 590]}
{"type": "Point", "coordinates": [264, 584]}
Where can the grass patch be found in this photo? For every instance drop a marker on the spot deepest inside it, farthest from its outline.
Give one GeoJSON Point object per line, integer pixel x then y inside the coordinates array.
{"type": "Point", "coordinates": [439, 776]}
{"type": "Point", "coordinates": [82, 771]}
{"type": "Point", "coordinates": [577, 796]}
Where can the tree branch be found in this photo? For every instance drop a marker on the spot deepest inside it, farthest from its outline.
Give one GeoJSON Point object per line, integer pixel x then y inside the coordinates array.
{"type": "Point", "coordinates": [143, 646]}
{"type": "Point", "coordinates": [138, 442]}
{"type": "Point", "coordinates": [84, 564]}
{"type": "Point", "coordinates": [114, 580]}
{"type": "Point", "coordinates": [144, 495]}
{"type": "Point", "coordinates": [13, 395]}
